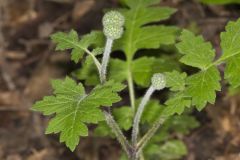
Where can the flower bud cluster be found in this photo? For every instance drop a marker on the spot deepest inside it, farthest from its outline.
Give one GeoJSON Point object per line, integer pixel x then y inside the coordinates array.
{"type": "Point", "coordinates": [113, 22]}
{"type": "Point", "coordinates": [158, 81]}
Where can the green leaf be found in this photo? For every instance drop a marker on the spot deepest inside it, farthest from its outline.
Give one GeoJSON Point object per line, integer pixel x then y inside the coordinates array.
{"type": "Point", "coordinates": [180, 125]}
{"type": "Point", "coordinates": [78, 46]}
{"type": "Point", "coordinates": [132, 3]}
{"type": "Point", "coordinates": [137, 36]}
{"type": "Point", "coordinates": [103, 130]}
{"type": "Point", "coordinates": [73, 108]}
{"type": "Point", "coordinates": [177, 104]}
{"type": "Point", "coordinates": [143, 68]}
{"type": "Point", "coordinates": [230, 41]}
{"type": "Point", "coordinates": [172, 149]}
{"type": "Point", "coordinates": [97, 51]}
{"type": "Point", "coordinates": [152, 111]}
{"type": "Point", "coordinates": [197, 52]}
{"type": "Point", "coordinates": [183, 124]}
{"type": "Point", "coordinates": [202, 87]}
{"type": "Point", "coordinates": [123, 156]}
{"type": "Point", "coordinates": [67, 87]}
{"type": "Point", "coordinates": [220, 1]}
{"type": "Point", "coordinates": [232, 71]}
{"type": "Point", "coordinates": [89, 73]}
{"type": "Point", "coordinates": [117, 70]}
{"type": "Point", "coordinates": [124, 117]}
{"type": "Point", "coordinates": [175, 80]}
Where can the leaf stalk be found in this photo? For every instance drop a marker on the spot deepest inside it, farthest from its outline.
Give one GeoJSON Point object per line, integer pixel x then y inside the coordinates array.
{"type": "Point", "coordinates": [97, 63]}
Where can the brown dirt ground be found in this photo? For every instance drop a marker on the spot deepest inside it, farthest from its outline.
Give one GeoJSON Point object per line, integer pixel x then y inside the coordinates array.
{"type": "Point", "coordinates": [28, 62]}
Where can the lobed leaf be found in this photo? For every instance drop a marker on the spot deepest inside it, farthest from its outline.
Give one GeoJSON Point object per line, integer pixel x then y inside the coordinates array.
{"type": "Point", "coordinates": [137, 36]}
{"type": "Point", "coordinates": [175, 80]}
{"type": "Point", "coordinates": [197, 52]}
{"type": "Point", "coordinates": [73, 108]}
{"type": "Point", "coordinates": [177, 104]}
{"type": "Point", "coordinates": [78, 46]}
{"type": "Point", "coordinates": [202, 87]}
{"type": "Point", "coordinates": [230, 41]}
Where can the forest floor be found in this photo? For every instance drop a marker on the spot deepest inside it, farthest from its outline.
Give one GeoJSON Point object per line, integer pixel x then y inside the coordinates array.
{"type": "Point", "coordinates": [28, 62]}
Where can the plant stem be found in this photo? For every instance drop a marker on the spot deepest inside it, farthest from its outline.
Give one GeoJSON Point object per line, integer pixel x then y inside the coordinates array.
{"type": "Point", "coordinates": [131, 86]}
{"type": "Point", "coordinates": [142, 143]}
{"type": "Point", "coordinates": [119, 135]}
{"type": "Point", "coordinates": [127, 147]}
{"type": "Point", "coordinates": [106, 56]}
{"type": "Point", "coordinates": [97, 63]}
{"type": "Point", "coordinates": [139, 114]}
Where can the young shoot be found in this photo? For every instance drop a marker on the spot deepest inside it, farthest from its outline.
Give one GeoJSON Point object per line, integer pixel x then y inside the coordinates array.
{"type": "Point", "coordinates": [73, 107]}
{"type": "Point", "coordinates": [113, 22]}
{"type": "Point", "coordinates": [158, 83]}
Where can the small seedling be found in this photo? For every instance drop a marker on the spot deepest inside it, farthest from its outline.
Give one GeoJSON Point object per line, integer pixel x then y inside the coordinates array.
{"type": "Point", "coordinates": [74, 108]}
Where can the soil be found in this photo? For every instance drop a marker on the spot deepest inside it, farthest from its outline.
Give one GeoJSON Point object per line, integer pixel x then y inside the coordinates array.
{"type": "Point", "coordinates": [28, 62]}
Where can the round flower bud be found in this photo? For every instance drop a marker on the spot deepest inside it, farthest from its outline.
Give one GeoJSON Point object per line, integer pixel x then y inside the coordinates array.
{"type": "Point", "coordinates": [113, 32]}
{"type": "Point", "coordinates": [114, 18]}
{"type": "Point", "coordinates": [158, 81]}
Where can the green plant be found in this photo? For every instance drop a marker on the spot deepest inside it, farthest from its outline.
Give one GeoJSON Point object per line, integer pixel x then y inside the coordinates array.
{"type": "Point", "coordinates": [221, 1]}
{"type": "Point", "coordinates": [74, 109]}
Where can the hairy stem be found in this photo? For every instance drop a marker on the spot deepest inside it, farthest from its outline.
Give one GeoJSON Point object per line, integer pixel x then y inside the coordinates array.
{"type": "Point", "coordinates": [119, 135]}
{"type": "Point", "coordinates": [106, 56]}
{"type": "Point", "coordinates": [150, 133]}
{"type": "Point", "coordinates": [138, 115]}
{"type": "Point", "coordinates": [108, 117]}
